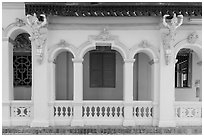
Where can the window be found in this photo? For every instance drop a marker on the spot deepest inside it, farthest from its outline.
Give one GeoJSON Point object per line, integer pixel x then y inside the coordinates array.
{"type": "Point", "coordinates": [22, 67]}
{"type": "Point", "coordinates": [183, 69]}
{"type": "Point", "coordinates": [102, 69]}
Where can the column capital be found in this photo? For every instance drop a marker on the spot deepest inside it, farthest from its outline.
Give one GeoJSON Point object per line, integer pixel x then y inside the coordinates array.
{"type": "Point", "coordinates": [77, 60]}
{"type": "Point", "coordinates": [129, 60]}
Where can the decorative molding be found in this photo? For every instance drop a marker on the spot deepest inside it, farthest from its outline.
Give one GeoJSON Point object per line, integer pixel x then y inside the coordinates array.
{"type": "Point", "coordinates": [103, 37]}
{"type": "Point", "coordinates": [192, 37]}
{"type": "Point", "coordinates": [19, 22]}
{"type": "Point", "coordinates": [199, 63]}
{"type": "Point", "coordinates": [129, 60]}
{"type": "Point", "coordinates": [77, 60]}
{"type": "Point", "coordinates": [169, 37]}
{"type": "Point", "coordinates": [62, 45]}
{"type": "Point", "coordinates": [39, 34]}
{"type": "Point", "coordinates": [145, 45]}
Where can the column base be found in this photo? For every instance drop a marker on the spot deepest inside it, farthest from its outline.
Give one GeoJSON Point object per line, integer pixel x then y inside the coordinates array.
{"type": "Point", "coordinates": [77, 122]}
{"type": "Point", "coordinates": [167, 124]}
{"type": "Point", "coordinates": [128, 122]}
{"type": "Point", "coordinates": [39, 124]}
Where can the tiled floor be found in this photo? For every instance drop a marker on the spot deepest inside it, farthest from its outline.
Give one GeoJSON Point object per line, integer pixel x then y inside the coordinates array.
{"type": "Point", "coordinates": [117, 130]}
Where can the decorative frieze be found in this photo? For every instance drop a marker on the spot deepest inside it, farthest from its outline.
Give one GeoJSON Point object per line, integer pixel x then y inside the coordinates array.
{"type": "Point", "coordinates": [170, 36]}
{"type": "Point", "coordinates": [39, 34]}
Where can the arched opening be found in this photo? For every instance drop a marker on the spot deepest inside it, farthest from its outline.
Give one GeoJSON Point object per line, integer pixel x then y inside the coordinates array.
{"type": "Point", "coordinates": [22, 66]}
{"type": "Point", "coordinates": [103, 75]}
{"type": "Point", "coordinates": [188, 76]}
{"type": "Point", "coordinates": [142, 73]}
{"type": "Point", "coordinates": [64, 76]}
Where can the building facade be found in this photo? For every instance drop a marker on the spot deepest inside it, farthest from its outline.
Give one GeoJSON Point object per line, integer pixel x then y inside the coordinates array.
{"type": "Point", "coordinates": [84, 64]}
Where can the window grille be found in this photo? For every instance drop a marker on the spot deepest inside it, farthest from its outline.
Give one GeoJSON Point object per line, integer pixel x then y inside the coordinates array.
{"type": "Point", "coordinates": [22, 61]}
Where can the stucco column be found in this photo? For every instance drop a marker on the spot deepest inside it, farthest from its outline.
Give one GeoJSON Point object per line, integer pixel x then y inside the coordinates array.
{"type": "Point", "coordinates": [167, 93]}
{"type": "Point", "coordinates": [78, 93]}
{"type": "Point", "coordinates": [7, 80]}
{"type": "Point", "coordinates": [128, 92]}
{"type": "Point", "coordinates": [155, 89]}
{"type": "Point", "coordinates": [40, 95]}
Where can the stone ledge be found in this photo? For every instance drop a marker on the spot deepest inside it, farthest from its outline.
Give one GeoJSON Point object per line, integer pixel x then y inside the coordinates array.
{"type": "Point", "coordinates": [102, 130]}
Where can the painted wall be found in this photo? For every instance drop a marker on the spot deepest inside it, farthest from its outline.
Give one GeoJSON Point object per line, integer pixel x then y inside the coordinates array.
{"type": "Point", "coordinates": [64, 76]}
{"type": "Point", "coordinates": [189, 94]}
{"type": "Point", "coordinates": [142, 78]}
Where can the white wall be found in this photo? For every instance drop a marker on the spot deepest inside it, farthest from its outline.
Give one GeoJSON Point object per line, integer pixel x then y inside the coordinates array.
{"type": "Point", "coordinates": [103, 93]}
{"type": "Point", "coordinates": [189, 94]}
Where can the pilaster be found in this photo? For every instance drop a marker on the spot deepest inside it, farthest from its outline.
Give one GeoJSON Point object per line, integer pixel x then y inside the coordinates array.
{"type": "Point", "coordinates": [167, 93]}
{"type": "Point", "coordinates": [128, 92]}
{"type": "Point", "coordinates": [40, 94]}
{"type": "Point", "coordinates": [7, 78]}
{"type": "Point", "coordinates": [78, 93]}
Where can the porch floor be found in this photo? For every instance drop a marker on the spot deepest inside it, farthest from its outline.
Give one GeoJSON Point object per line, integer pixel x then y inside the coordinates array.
{"type": "Point", "coordinates": [114, 130]}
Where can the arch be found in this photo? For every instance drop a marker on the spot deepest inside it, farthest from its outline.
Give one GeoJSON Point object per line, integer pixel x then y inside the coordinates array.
{"type": "Point", "coordinates": [60, 47]}
{"type": "Point", "coordinates": [104, 37]}
{"type": "Point", "coordinates": [13, 30]}
{"type": "Point", "coordinates": [196, 47]}
{"type": "Point", "coordinates": [146, 48]}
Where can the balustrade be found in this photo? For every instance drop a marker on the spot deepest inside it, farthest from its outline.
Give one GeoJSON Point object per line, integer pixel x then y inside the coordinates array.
{"type": "Point", "coordinates": [188, 109]}
{"type": "Point", "coordinates": [143, 109]}
{"type": "Point", "coordinates": [21, 109]}
{"type": "Point", "coordinates": [62, 109]}
{"type": "Point", "coordinates": [102, 109]}
{"type": "Point", "coordinates": [188, 113]}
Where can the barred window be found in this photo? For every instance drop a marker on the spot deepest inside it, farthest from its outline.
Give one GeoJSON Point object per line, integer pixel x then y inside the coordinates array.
{"type": "Point", "coordinates": [22, 66]}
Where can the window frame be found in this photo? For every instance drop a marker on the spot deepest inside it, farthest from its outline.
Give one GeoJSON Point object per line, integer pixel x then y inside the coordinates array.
{"type": "Point", "coordinates": [189, 71]}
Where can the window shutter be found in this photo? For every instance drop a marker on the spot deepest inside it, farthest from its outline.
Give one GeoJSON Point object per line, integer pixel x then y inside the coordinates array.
{"type": "Point", "coordinates": [96, 70]}
{"type": "Point", "coordinates": [109, 69]}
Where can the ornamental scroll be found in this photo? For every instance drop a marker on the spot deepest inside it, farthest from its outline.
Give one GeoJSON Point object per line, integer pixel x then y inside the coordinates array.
{"type": "Point", "coordinates": [169, 37]}
{"type": "Point", "coordinates": [39, 32]}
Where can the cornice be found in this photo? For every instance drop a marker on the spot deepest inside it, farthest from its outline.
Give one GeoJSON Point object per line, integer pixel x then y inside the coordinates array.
{"type": "Point", "coordinates": [13, 5]}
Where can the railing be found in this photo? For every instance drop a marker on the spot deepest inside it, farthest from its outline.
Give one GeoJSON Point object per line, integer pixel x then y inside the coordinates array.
{"type": "Point", "coordinates": [21, 112]}
{"type": "Point", "coordinates": [143, 112]}
{"type": "Point", "coordinates": [103, 112]}
{"type": "Point", "coordinates": [63, 109]}
{"type": "Point", "coordinates": [61, 112]}
{"type": "Point", "coordinates": [188, 113]}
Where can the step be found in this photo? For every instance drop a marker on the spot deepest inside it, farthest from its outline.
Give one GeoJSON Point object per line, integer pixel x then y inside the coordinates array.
{"type": "Point", "coordinates": [102, 130]}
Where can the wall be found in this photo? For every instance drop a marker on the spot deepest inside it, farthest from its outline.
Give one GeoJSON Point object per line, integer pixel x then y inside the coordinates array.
{"type": "Point", "coordinates": [142, 78]}
{"type": "Point", "coordinates": [64, 76]}
{"type": "Point", "coordinates": [103, 93]}
{"type": "Point", "coordinates": [189, 94]}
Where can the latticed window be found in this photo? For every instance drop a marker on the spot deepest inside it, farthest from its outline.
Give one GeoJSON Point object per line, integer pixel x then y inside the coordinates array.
{"type": "Point", "coordinates": [22, 66]}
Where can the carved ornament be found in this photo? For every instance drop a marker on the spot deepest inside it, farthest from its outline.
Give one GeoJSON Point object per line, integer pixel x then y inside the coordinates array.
{"type": "Point", "coordinates": [169, 37]}
{"type": "Point", "coordinates": [192, 37]}
{"type": "Point", "coordinates": [39, 34]}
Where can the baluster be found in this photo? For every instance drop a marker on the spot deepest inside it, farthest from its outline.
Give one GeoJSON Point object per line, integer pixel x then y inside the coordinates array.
{"type": "Point", "coordinates": [98, 111]}
{"type": "Point", "coordinates": [114, 111]}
